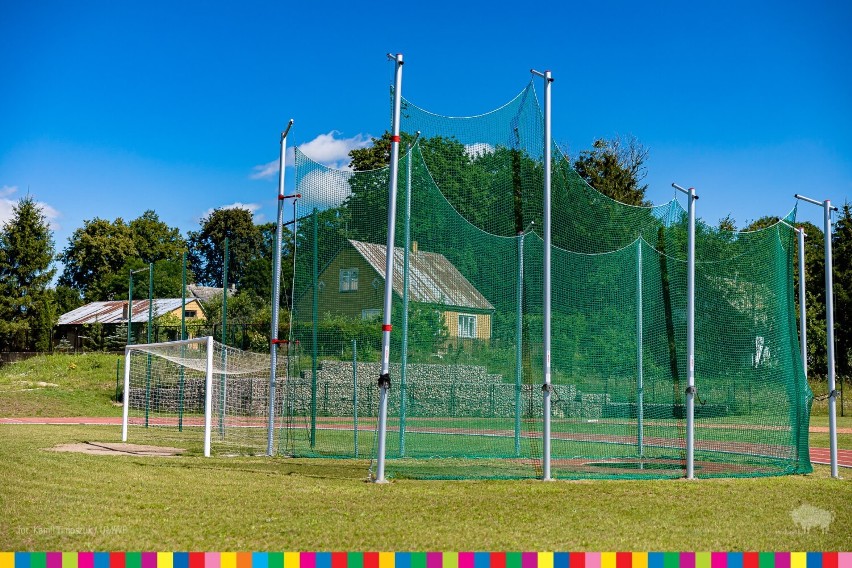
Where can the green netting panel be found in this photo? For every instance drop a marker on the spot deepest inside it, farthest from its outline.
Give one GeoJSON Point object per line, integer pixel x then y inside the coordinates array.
{"type": "Point", "coordinates": [466, 347]}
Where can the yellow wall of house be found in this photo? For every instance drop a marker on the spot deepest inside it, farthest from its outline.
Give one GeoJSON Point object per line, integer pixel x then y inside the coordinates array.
{"type": "Point", "coordinates": [190, 306]}
{"type": "Point", "coordinates": [483, 324]}
{"type": "Point", "coordinates": [351, 304]}
{"type": "Point", "coordinates": [332, 300]}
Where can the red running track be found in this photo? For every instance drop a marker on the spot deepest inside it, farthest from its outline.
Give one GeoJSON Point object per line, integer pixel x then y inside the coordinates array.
{"type": "Point", "coordinates": [818, 455]}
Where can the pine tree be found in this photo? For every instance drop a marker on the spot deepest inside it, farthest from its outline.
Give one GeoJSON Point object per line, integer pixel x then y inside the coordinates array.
{"type": "Point", "coordinates": [26, 259]}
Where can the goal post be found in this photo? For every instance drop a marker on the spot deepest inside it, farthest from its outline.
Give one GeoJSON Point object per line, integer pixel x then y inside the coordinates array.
{"type": "Point", "coordinates": [170, 393]}
{"type": "Point", "coordinates": [208, 381]}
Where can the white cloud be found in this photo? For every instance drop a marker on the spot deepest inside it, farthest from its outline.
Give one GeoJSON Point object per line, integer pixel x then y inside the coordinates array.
{"type": "Point", "coordinates": [8, 190]}
{"type": "Point", "coordinates": [250, 207]}
{"type": "Point", "coordinates": [478, 149]}
{"type": "Point", "coordinates": [326, 149]}
{"type": "Point", "coordinates": [7, 206]}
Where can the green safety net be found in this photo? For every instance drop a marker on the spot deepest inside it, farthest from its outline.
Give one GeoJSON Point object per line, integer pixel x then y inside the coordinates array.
{"type": "Point", "coordinates": [466, 345]}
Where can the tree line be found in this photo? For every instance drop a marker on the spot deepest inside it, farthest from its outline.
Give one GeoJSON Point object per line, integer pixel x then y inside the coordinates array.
{"type": "Point", "coordinates": [99, 257]}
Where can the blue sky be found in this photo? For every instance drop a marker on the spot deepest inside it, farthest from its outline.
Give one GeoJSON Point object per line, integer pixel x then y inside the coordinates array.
{"type": "Point", "coordinates": [111, 108]}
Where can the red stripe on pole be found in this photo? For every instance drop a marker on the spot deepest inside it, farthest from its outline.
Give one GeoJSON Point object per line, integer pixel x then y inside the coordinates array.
{"type": "Point", "coordinates": [386, 327]}
{"type": "Point", "coordinates": [395, 139]}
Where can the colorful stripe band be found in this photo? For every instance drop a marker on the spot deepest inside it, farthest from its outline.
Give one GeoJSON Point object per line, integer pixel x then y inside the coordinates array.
{"type": "Point", "coordinates": [425, 559]}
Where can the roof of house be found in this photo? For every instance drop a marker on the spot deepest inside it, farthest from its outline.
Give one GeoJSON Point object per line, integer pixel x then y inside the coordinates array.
{"type": "Point", "coordinates": [203, 293]}
{"type": "Point", "coordinates": [112, 312]}
{"type": "Point", "coordinates": [431, 277]}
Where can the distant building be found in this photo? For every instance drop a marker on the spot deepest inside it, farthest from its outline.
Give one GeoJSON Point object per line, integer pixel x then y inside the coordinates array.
{"type": "Point", "coordinates": [353, 285]}
{"type": "Point", "coordinates": [112, 314]}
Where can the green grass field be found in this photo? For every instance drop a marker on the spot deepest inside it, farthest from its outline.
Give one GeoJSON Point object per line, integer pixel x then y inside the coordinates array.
{"type": "Point", "coordinates": [73, 501]}
{"type": "Point", "coordinates": [69, 501]}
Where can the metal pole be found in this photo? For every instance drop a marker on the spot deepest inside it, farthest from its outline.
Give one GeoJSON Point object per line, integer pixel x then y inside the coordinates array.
{"type": "Point", "coordinates": [640, 386]}
{"type": "Point", "coordinates": [183, 297]}
{"type": "Point", "coordinates": [182, 337]}
{"type": "Point", "coordinates": [518, 343]}
{"type": "Point", "coordinates": [150, 300]}
{"type": "Point", "coordinates": [150, 329]}
{"type": "Point", "coordinates": [405, 260]}
{"type": "Point", "coordinates": [355, 393]}
{"type": "Point", "coordinates": [546, 387]}
{"type": "Point", "coordinates": [126, 410]}
{"type": "Point", "coordinates": [315, 316]}
{"type": "Point", "coordinates": [225, 294]}
{"type": "Point", "coordinates": [690, 333]}
{"type": "Point", "coordinates": [803, 326]}
{"type": "Point", "coordinates": [829, 330]}
{"type": "Point", "coordinates": [276, 291]}
{"type": "Point", "coordinates": [384, 377]}
{"type": "Point", "coordinates": [223, 395]}
{"type": "Point", "coordinates": [130, 310]}
{"type": "Point", "coordinates": [208, 397]}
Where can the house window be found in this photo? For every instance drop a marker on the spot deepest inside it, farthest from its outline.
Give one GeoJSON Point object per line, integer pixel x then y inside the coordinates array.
{"type": "Point", "coordinates": [371, 314]}
{"type": "Point", "coordinates": [190, 313]}
{"type": "Point", "coordinates": [467, 326]}
{"type": "Point", "coordinates": [348, 279]}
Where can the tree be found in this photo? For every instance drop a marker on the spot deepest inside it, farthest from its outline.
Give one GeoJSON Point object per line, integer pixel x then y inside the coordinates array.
{"type": "Point", "coordinates": [155, 240]}
{"type": "Point", "coordinates": [727, 223]}
{"type": "Point", "coordinates": [95, 253]}
{"type": "Point", "coordinates": [842, 252]}
{"type": "Point", "coordinates": [616, 168]}
{"type": "Point", "coordinates": [26, 259]}
{"type": "Point", "coordinates": [207, 246]}
{"type": "Point", "coordinates": [100, 255]}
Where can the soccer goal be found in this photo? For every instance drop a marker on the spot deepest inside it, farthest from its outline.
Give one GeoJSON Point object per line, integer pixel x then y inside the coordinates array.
{"type": "Point", "coordinates": [197, 393]}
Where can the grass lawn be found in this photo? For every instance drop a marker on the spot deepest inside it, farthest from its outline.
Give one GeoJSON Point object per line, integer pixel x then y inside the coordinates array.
{"type": "Point", "coordinates": [68, 501]}
{"type": "Point", "coordinates": [73, 501]}
{"type": "Point", "coordinates": [60, 385]}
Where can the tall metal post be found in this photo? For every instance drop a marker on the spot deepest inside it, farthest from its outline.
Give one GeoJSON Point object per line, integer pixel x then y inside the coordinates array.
{"type": "Point", "coordinates": [803, 326]}
{"type": "Point", "coordinates": [150, 326]}
{"type": "Point", "coordinates": [355, 393]}
{"type": "Point", "coordinates": [183, 297]}
{"type": "Point", "coordinates": [640, 375]}
{"type": "Point", "coordinates": [547, 388]}
{"type": "Point", "coordinates": [208, 396]}
{"type": "Point", "coordinates": [315, 337]}
{"type": "Point", "coordinates": [405, 261]}
{"type": "Point", "coordinates": [150, 300]}
{"type": "Point", "coordinates": [384, 377]}
{"type": "Point", "coordinates": [182, 337]}
{"type": "Point", "coordinates": [519, 332]}
{"type": "Point", "coordinates": [225, 295]}
{"type": "Point", "coordinates": [276, 291]}
{"type": "Point", "coordinates": [129, 310]}
{"type": "Point", "coordinates": [125, 413]}
{"type": "Point", "coordinates": [690, 332]}
{"type": "Point", "coordinates": [223, 395]}
{"type": "Point", "coordinates": [829, 330]}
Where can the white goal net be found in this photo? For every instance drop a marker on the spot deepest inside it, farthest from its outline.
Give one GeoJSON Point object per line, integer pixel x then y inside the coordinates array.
{"type": "Point", "coordinates": [197, 393]}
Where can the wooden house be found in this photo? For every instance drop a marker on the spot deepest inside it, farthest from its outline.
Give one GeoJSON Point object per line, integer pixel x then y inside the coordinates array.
{"type": "Point", "coordinates": [353, 285]}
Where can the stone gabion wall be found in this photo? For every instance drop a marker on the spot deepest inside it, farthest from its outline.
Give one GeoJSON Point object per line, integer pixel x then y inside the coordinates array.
{"type": "Point", "coordinates": [246, 396]}
{"type": "Point", "coordinates": [431, 390]}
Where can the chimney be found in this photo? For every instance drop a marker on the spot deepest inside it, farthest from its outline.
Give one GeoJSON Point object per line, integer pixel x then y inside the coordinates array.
{"type": "Point", "coordinates": [124, 311]}
{"type": "Point", "coordinates": [414, 247]}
